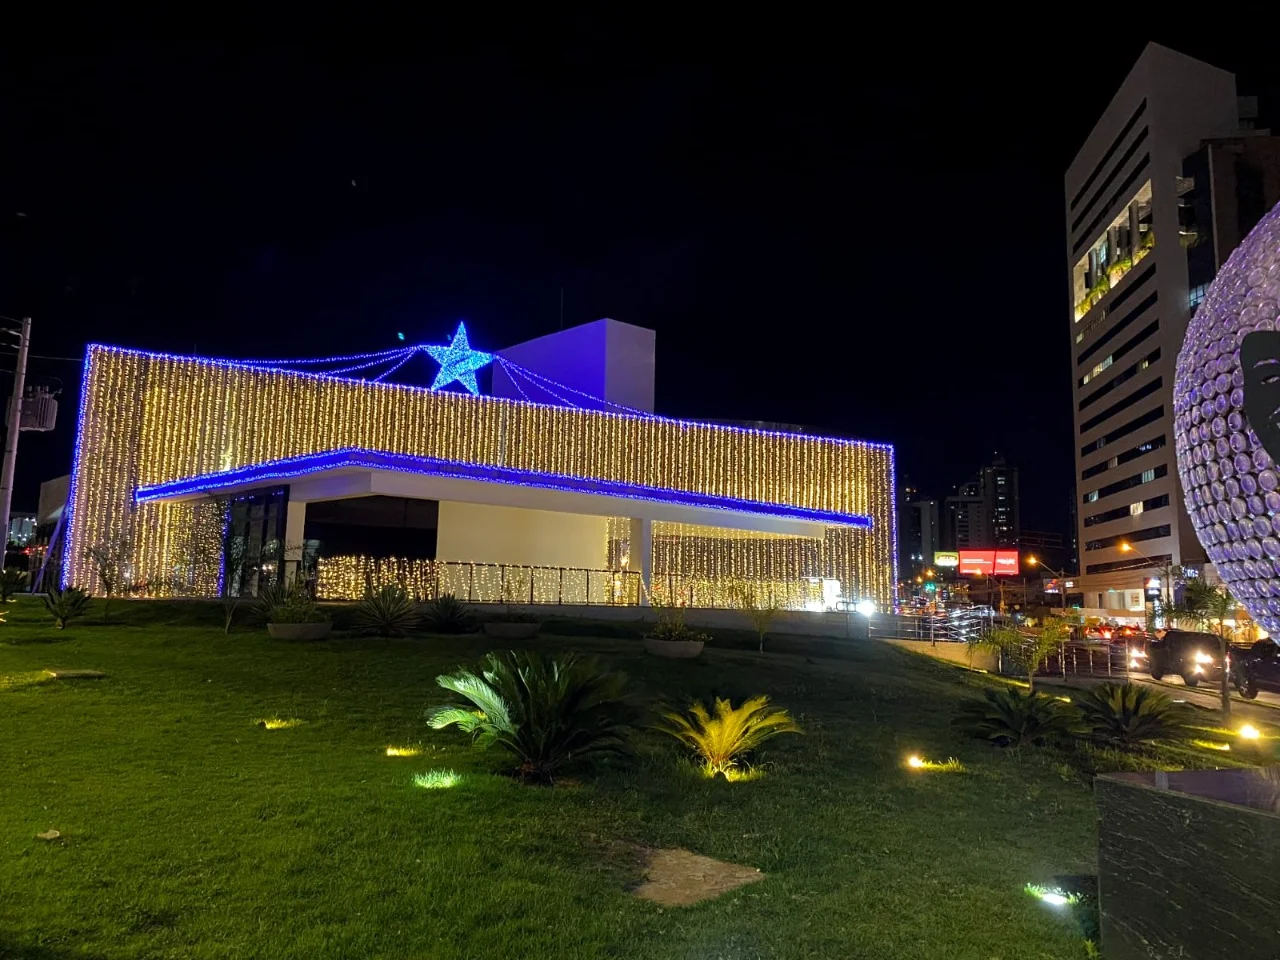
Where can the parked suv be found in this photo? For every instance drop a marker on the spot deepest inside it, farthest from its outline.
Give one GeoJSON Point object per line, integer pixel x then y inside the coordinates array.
{"type": "Point", "coordinates": [1256, 667]}
{"type": "Point", "coordinates": [1193, 656]}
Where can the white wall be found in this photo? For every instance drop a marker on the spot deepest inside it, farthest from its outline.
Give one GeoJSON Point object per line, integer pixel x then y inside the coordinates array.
{"type": "Point", "coordinates": [489, 534]}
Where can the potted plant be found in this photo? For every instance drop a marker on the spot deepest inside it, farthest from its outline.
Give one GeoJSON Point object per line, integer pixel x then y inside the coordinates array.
{"type": "Point", "coordinates": [513, 624]}
{"type": "Point", "coordinates": [672, 638]}
{"type": "Point", "coordinates": [297, 617]}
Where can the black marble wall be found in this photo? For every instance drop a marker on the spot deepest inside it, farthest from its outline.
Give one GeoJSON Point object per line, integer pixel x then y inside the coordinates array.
{"type": "Point", "coordinates": [1188, 876]}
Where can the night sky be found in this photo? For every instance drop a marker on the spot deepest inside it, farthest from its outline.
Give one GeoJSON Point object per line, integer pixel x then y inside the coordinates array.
{"type": "Point", "coordinates": [859, 234]}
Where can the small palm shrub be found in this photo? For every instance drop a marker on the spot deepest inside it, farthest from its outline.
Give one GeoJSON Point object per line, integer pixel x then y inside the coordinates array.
{"type": "Point", "coordinates": [386, 613]}
{"type": "Point", "coordinates": [297, 606]}
{"type": "Point", "coordinates": [547, 713]}
{"type": "Point", "coordinates": [1127, 714]}
{"type": "Point", "coordinates": [65, 605]}
{"type": "Point", "coordinates": [673, 627]}
{"type": "Point", "coordinates": [1009, 718]}
{"type": "Point", "coordinates": [447, 614]}
{"type": "Point", "coordinates": [11, 581]}
{"type": "Point", "coordinates": [269, 596]}
{"type": "Point", "coordinates": [720, 737]}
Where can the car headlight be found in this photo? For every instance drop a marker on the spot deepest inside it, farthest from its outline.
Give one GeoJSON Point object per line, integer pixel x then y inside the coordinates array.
{"type": "Point", "coordinates": [1137, 654]}
{"type": "Point", "coordinates": [1202, 657]}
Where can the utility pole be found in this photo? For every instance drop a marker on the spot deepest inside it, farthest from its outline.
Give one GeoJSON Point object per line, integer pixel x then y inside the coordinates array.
{"type": "Point", "coordinates": [12, 429]}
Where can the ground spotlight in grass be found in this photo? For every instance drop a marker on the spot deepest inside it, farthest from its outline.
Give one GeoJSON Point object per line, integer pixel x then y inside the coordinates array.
{"type": "Point", "coordinates": [950, 765]}
{"type": "Point", "coordinates": [403, 751]}
{"type": "Point", "coordinates": [1211, 745]}
{"type": "Point", "coordinates": [278, 723]}
{"type": "Point", "coordinates": [1250, 732]}
{"type": "Point", "coordinates": [1051, 896]}
{"type": "Point", "coordinates": [437, 779]}
{"type": "Point", "coordinates": [30, 678]}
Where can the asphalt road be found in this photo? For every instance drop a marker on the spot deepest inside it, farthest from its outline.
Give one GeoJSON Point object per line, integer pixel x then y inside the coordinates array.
{"type": "Point", "coordinates": [1265, 709]}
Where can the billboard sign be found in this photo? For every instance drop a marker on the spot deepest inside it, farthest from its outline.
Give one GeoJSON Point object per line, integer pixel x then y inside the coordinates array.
{"type": "Point", "coordinates": [946, 559]}
{"type": "Point", "coordinates": [987, 563]}
{"type": "Point", "coordinates": [1006, 563]}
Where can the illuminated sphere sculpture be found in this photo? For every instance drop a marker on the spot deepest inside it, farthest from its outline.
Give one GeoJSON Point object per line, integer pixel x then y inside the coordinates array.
{"type": "Point", "coordinates": [1230, 481]}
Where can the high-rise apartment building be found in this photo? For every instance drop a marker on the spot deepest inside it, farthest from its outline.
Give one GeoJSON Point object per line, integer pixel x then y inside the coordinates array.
{"type": "Point", "coordinates": [918, 531]}
{"type": "Point", "coordinates": [1167, 183]}
{"type": "Point", "coordinates": [984, 512]}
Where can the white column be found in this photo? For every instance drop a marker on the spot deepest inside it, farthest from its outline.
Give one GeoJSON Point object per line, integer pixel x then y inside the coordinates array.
{"type": "Point", "coordinates": [295, 521]}
{"type": "Point", "coordinates": [640, 545]}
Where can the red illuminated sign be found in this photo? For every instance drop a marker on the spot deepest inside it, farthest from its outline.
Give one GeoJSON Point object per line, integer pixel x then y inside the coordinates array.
{"type": "Point", "coordinates": [979, 563]}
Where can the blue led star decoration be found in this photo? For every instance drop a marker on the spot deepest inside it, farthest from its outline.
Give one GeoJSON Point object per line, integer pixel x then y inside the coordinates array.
{"type": "Point", "coordinates": [458, 362]}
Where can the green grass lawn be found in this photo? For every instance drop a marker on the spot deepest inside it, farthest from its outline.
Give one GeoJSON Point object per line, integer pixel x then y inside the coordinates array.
{"type": "Point", "coordinates": [188, 831]}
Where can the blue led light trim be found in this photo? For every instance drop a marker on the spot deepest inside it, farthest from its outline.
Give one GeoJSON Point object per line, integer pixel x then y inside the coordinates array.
{"type": "Point", "coordinates": [514, 382]}
{"type": "Point", "coordinates": [454, 470]}
{"type": "Point", "coordinates": [320, 360]}
{"type": "Point", "coordinates": [65, 574]}
{"type": "Point", "coordinates": [515, 372]}
{"type": "Point", "coordinates": [893, 524]}
{"type": "Point", "coordinates": [726, 428]}
{"type": "Point", "coordinates": [386, 373]}
{"type": "Point", "coordinates": [539, 381]}
{"type": "Point", "coordinates": [372, 363]}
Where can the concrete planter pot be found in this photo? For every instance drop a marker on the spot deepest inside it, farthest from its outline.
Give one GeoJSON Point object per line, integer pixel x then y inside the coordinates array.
{"type": "Point", "coordinates": [673, 649]}
{"type": "Point", "coordinates": [299, 631]}
{"type": "Point", "coordinates": [506, 630]}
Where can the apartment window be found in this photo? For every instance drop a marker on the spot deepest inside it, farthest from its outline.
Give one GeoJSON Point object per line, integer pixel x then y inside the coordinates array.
{"type": "Point", "coordinates": [1128, 483]}
{"type": "Point", "coordinates": [1133, 453]}
{"type": "Point", "coordinates": [1145, 390]}
{"type": "Point", "coordinates": [1151, 533]}
{"type": "Point", "coordinates": [1111, 150]}
{"type": "Point", "coordinates": [1115, 172]}
{"type": "Point", "coordinates": [1133, 509]}
{"type": "Point", "coordinates": [1139, 309]}
{"type": "Point", "coordinates": [1124, 375]}
{"type": "Point", "coordinates": [1097, 369]}
{"type": "Point", "coordinates": [1134, 563]}
{"type": "Point", "coordinates": [1137, 423]}
{"type": "Point", "coordinates": [1129, 181]}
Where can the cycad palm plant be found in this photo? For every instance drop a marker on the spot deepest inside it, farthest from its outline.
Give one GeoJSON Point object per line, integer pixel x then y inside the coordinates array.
{"type": "Point", "coordinates": [1129, 714]}
{"type": "Point", "coordinates": [546, 712]}
{"type": "Point", "coordinates": [387, 612]}
{"type": "Point", "coordinates": [1009, 718]}
{"type": "Point", "coordinates": [65, 605]}
{"type": "Point", "coordinates": [447, 614]}
{"type": "Point", "coordinates": [719, 737]}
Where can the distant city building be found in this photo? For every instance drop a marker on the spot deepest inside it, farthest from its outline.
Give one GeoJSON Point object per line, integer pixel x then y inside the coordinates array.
{"type": "Point", "coordinates": [985, 511]}
{"type": "Point", "coordinates": [22, 526]}
{"type": "Point", "coordinates": [918, 530]}
{"type": "Point", "coordinates": [1170, 179]}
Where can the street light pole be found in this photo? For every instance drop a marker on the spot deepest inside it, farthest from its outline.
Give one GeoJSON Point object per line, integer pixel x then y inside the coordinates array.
{"type": "Point", "coordinates": [1126, 547]}
{"type": "Point", "coordinates": [1062, 588]}
{"type": "Point", "coordinates": [12, 429]}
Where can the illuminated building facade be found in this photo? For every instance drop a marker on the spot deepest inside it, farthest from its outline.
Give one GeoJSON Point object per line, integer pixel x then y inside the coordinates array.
{"type": "Point", "coordinates": [209, 476]}
{"type": "Point", "coordinates": [1166, 183]}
